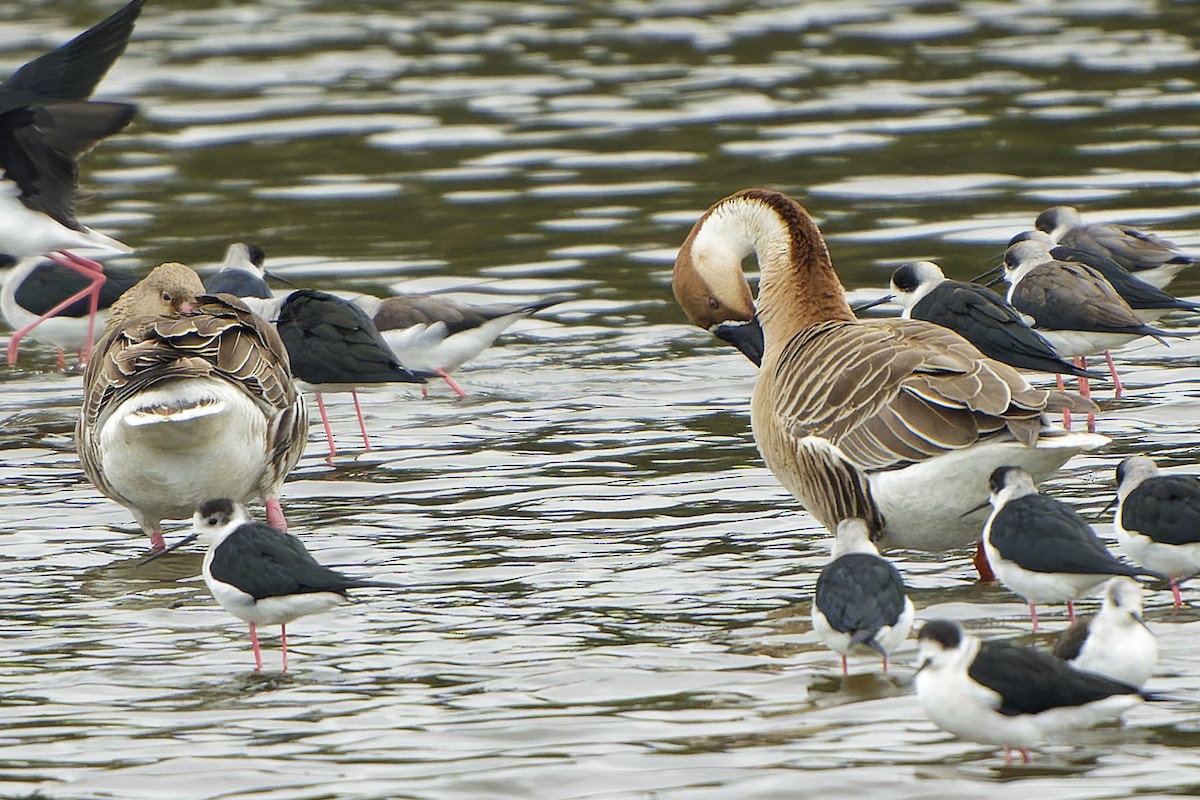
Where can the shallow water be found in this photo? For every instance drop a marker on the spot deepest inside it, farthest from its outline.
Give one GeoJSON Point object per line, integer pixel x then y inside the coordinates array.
{"type": "Point", "coordinates": [604, 594]}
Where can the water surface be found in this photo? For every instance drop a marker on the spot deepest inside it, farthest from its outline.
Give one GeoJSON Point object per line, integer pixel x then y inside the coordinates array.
{"type": "Point", "coordinates": [604, 594]}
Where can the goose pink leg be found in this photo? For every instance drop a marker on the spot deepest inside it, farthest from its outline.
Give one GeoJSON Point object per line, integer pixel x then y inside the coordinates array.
{"type": "Point", "coordinates": [275, 516]}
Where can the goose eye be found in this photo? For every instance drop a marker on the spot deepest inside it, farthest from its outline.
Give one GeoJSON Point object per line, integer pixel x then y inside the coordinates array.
{"type": "Point", "coordinates": [713, 303]}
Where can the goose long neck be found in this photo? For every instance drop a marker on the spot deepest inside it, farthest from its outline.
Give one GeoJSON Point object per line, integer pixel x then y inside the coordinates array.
{"type": "Point", "coordinates": [797, 285]}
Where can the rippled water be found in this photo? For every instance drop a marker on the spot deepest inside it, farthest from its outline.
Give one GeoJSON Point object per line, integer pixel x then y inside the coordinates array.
{"type": "Point", "coordinates": [604, 594]}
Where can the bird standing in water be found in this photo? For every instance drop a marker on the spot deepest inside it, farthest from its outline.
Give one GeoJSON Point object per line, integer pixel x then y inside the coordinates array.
{"type": "Point", "coordinates": [262, 575]}
{"type": "Point", "coordinates": [189, 396]}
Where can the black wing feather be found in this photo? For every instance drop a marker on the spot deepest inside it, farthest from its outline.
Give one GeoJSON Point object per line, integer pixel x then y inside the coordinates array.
{"type": "Point", "coordinates": [239, 283]}
{"type": "Point", "coordinates": [73, 70]}
{"type": "Point", "coordinates": [405, 311]}
{"type": "Point", "coordinates": [1030, 681]}
{"type": "Point", "coordinates": [1042, 534]}
{"type": "Point", "coordinates": [50, 283]}
{"type": "Point", "coordinates": [1070, 642]}
{"type": "Point", "coordinates": [264, 562]}
{"type": "Point", "coordinates": [39, 148]}
{"type": "Point", "coordinates": [860, 592]}
{"type": "Point", "coordinates": [1135, 291]}
{"type": "Point", "coordinates": [332, 341]}
{"type": "Point", "coordinates": [984, 319]}
{"type": "Point", "coordinates": [1165, 508]}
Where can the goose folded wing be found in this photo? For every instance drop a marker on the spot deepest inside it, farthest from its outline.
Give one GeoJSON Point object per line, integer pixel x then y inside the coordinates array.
{"type": "Point", "coordinates": [241, 347]}
{"type": "Point", "coordinates": [894, 392]}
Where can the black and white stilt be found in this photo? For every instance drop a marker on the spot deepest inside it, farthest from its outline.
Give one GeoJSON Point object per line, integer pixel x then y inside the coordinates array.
{"type": "Point", "coordinates": [261, 574]}
{"type": "Point", "coordinates": [998, 693]}
{"type": "Point", "coordinates": [241, 273]}
{"type": "Point", "coordinates": [860, 600]}
{"type": "Point", "coordinates": [334, 346]}
{"type": "Point", "coordinates": [1040, 548]}
{"type": "Point", "coordinates": [438, 335]}
{"type": "Point", "coordinates": [1115, 642]}
{"type": "Point", "coordinates": [1158, 520]}
{"type": "Point", "coordinates": [1073, 306]}
{"type": "Point", "coordinates": [47, 123]}
{"type": "Point", "coordinates": [1146, 255]}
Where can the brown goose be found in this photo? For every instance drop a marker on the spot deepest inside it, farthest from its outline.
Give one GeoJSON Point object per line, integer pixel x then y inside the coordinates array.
{"type": "Point", "coordinates": [899, 422]}
{"type": "Point", "coordinates": [189, 397]}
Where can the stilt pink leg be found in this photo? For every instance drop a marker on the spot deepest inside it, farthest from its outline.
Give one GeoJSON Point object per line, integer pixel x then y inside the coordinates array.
{"type": "Point", "coordinates": [1112, 368]}
{"type": "Point", "coordinates": [76, 261]}
{"type": "Point", "coordinates": [362, 425]}
{"type": "Point", "coordinates": [79, 263]}
{"type": "Point", "coordinates": [1024, 755]}
{"type": "Point", "coordinates": [1008, 759]}
{"type": "Point", "coordinates": [1177, 595]}
{"type": "Point", "coordinates": [845, 668]}
{"type": "Point", "coordinates": [275, 516]}
{"type": "Point", "coordinates": [1066, 412]}
{"type": "Point", "coordinates": [446, 377]}
{"type": "Point", "coordinates": [885, 665]}
{"type": "Point", "coordinates": [257, 652]}
{"type": "Point", "coordinates": [62, 360]}
{"type": "Point", "coordinates": [93, 290]}
{"type": "Point", "coordinates": [328, 430]}
{"type": "Point", "coordinates": [93, 309]}
{"type": "Point", "coordinates": [424, 391]}
{"type": "Point", "coordinates": [1033, 616]}
{"type": "Point", "coordinates": [1070, 611]}
{"type": "Point", "coordinates": [986, 575]}
{"type": "Point", "coordinates": [283, 645]}
{"type": "Point", "coordinates": [1085, 389]}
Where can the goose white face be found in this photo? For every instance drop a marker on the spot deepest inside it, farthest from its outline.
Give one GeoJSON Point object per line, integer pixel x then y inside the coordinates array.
{"type": "Point", "coordinates": [708, 280]}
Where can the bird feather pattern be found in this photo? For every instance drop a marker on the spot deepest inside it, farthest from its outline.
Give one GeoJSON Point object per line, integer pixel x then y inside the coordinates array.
{"type": "Point", "coordinates": [880, 414]}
